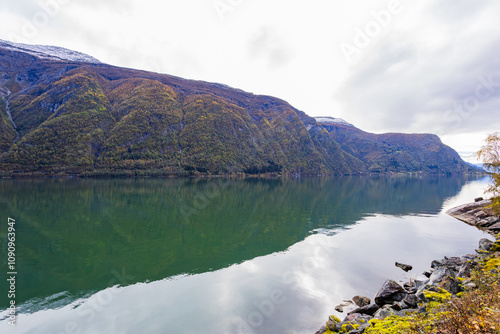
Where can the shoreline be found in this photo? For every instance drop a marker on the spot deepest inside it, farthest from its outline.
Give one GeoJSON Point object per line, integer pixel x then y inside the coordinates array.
{"type": "Point", "coordinates": [161, 175]}
{"type": "Point", "coordinates": [477, 214]}
{"type": "Point", "coordinates": [447, 279]}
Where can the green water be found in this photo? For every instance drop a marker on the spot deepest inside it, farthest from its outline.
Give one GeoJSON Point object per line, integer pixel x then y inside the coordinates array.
{"type": "Point", "coordinates": [77, 237]}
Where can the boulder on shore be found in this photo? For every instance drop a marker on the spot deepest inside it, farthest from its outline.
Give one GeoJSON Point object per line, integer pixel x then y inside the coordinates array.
{"type": "Point", "coordinates": [477, 214]}
{"type": "Point", "coordinates": [361, 301]}
{"type": "Point", "coordinates": [390, 293]}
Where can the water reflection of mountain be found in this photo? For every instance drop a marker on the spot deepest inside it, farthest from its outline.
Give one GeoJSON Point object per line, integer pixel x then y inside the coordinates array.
{"type": "Point", "coordinates": [73, 233]}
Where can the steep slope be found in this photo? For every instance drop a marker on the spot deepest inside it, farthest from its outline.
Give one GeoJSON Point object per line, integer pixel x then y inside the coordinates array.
{"type": "Point", "coordinates": [7, 131]}
{"type": "Point", "coordinates": [92, 118]}
{"type": "Point", "coordinates": [396, 152]}
{"type": "Point", "coordinates": [65, 112]}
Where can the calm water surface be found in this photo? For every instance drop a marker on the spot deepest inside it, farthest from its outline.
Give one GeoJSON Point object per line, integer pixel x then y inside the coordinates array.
{"type": "Point", "coordinates": [218, 256]}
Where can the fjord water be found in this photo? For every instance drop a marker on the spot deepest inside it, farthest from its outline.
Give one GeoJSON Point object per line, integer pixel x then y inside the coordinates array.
{"type": "Point", "coordinates": [219, 255]}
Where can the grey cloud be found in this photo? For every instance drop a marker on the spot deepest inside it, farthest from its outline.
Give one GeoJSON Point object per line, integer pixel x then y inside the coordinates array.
{"type": "Point", "coordinates": [267, 43]}
{"type": "Point", "coordinates": [457, 11]}
{"type": "Point", "coordinates": [452, 88]}
{"type": "Point", "coordinates": [28, 8]}
{"type": "Point", "coordinates": [20, 7]}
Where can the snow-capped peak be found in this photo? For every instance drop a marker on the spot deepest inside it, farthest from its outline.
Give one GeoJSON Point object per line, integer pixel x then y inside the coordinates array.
{"type": "Point", "coordinates": [332, 120]}
{"type": "Point", "coordinates": [49, 52]}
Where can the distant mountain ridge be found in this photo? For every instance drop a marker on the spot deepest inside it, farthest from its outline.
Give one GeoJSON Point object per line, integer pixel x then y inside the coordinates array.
{"type": "Point", "coordinates": [65, 112]}
{"type": "Point", "coordinates": [395, 152]}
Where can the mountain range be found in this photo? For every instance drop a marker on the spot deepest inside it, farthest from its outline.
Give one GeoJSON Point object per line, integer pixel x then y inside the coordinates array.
{"type": "Point", "coordinates": [64, 112]}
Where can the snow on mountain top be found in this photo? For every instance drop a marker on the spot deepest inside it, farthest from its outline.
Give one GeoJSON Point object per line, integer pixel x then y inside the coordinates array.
{"type": "Point", "coordinates": [49, 52]}
{"type": "Point", "coordinates": [332, 120]}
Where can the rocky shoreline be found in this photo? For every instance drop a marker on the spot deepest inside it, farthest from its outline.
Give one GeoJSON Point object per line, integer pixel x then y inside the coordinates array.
{"type": "Point", "coordinates": [446, 278]}
{"type": "Point", "coordinates": [477, 214]}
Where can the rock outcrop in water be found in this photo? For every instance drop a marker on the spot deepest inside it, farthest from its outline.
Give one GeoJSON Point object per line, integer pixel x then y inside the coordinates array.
{"type": "Point", "coordinates": [477, 214]}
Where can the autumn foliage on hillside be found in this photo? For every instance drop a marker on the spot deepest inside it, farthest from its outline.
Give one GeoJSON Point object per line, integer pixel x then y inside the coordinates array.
{"type": "Point", "coordinates": [60, 117]}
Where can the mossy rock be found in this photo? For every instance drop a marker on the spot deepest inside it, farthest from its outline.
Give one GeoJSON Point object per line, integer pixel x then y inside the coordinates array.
{"type": "Point", "coordinates": [495, 247]}
{"type": "Point", "coordinates": [440, 297]}
{"type": "Point", "coordinates": [391, 325]}
{"type": "Point", "coordinates": [492, 263]}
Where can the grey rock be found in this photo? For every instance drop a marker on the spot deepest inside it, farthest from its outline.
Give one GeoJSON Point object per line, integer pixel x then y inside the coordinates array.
{"type": "Point", "coordinates": [466, 212]}
{"type": "Point", "coordinates": [495, 227]}
{"type": "Point", "coordinates": [411, 301]}
{"type": "Point", "coordinates": [398, 306]}
{"type": "Point", "coordinates": [468, 257]}
{"type": "Point", "coordinates": [405, 267]}
{"type": "Point", "coordinates": [420, 281]}
{"type": "Point", "coordinates": [390, 293]}
{"type": "Point", "coordinates": [485, 244]}
{"type": "Point", "coordinates": [464, 271]}
{"type": "Point", "coordinates": [358, 319]}
{"type": "Point", "coordinates": [368, 309]}
{"type": "Point", "coordinates": [383, 313]}
{"type": "Point", "coordinates": [411, 289]}
{"type": "Point", "coordinates": [438, 275]}
{"type": "Point", "coordinates": [480, 214]}
{"type": "Point", "coordinates": [452, 262]}
{"type": "Point", "coordinates": [346, 304]}
{"type": "Point", "coordinates": [479, 199]}
{"type": "Point", "coordinates": [332, 324]}
{"type": "Point", "coordinates": [487, 221]}
{"type": "Point", "coordinates": [352, 317]}
{"type": "Point", "coordinates": [405, 312]}
{"type": "Point", "coordinates": [361, 301]}
{"type": "Point", "coordinates": [421, 296]}
{"type": "Point", "coordinates": [433, 288]}
{"type": "Point", "coordinates": [436, 264]}
{"type": "Point", "coordinates": [451, 285]}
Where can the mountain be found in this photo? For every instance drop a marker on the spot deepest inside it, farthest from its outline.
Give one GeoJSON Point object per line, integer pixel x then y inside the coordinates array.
{"type": "Point", "coordinates": [48, 52]}
{"type": "Point", "coordinates": [395, 152]}
{"type": "Point", "coordinates": [64, 112]}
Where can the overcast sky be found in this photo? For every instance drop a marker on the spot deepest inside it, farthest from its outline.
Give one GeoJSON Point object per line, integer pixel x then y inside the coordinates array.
{"type": "Point", "coordinates": [385, 66]}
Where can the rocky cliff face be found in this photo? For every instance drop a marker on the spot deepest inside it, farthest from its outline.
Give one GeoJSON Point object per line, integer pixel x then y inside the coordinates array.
{"type": "Point", "coordinates": [61, 114]}
{"type": "Point", "coordinates": [396, 152]}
